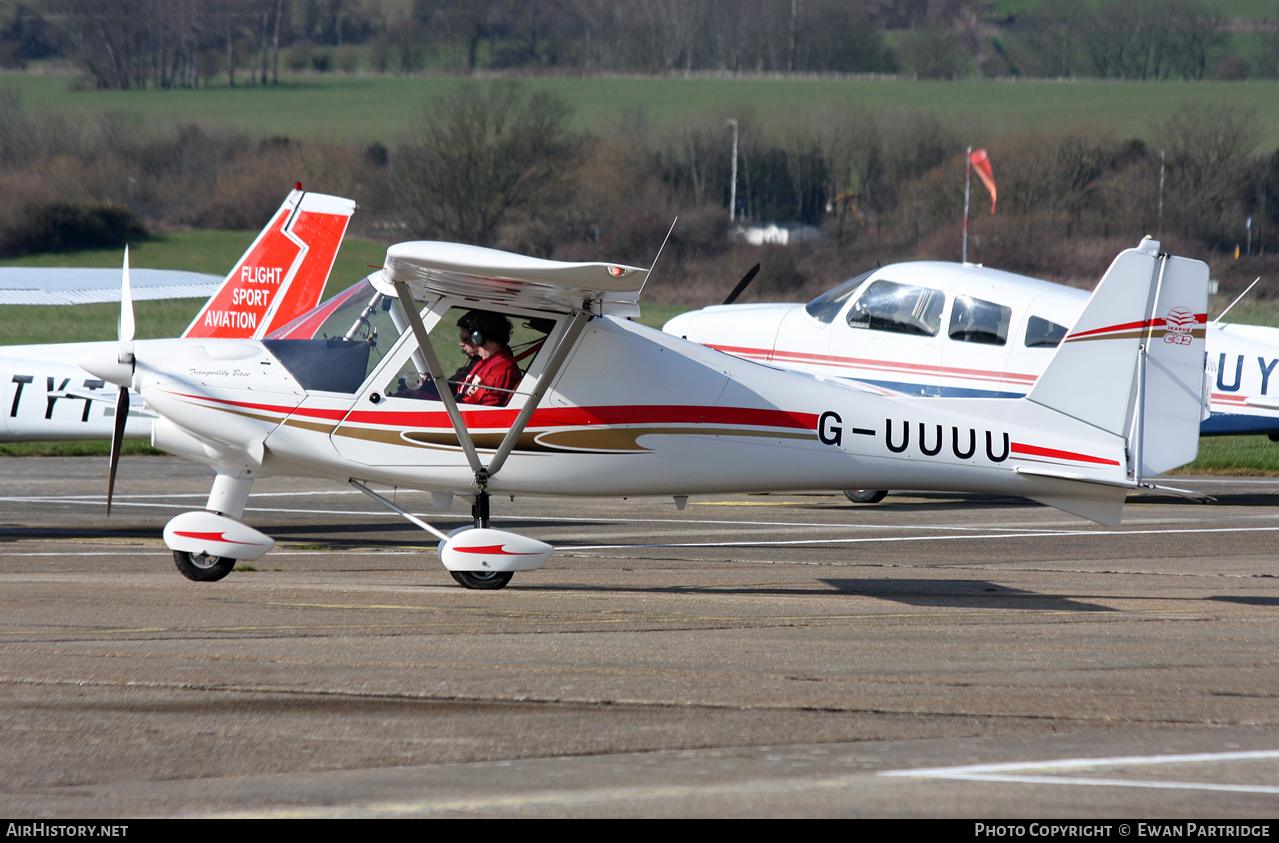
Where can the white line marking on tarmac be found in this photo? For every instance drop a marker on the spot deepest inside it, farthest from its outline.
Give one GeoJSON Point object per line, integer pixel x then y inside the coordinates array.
{"type": "Point", "coordinates": [1041, 772]}
{"type": "Point", "coordinates": [980, 772]}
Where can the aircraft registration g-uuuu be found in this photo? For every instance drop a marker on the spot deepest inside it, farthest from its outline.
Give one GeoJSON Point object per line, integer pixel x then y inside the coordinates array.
{"type": "Point", "coordinates": [949, 329]}
{"type": "Point", "coordinates": [607, 407]}
{"type": "Point", "coordinates": [45, 394]}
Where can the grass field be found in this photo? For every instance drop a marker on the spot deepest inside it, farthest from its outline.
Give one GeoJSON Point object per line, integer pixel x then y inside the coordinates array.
{"type": "Point", "coordinates": [382, 108]}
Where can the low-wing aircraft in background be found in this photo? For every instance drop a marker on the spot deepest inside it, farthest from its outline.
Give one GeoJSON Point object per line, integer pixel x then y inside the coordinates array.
{"type": "Point", "coordinates": [604, 406]}
{"type": "Point", "coordinates": [950, 329]}
{"type": "Point", "coordinates": [45, 395]}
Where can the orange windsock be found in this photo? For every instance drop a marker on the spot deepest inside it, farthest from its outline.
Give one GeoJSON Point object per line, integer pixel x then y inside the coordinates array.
{"type": "Point", "coordinates": [981, 162]}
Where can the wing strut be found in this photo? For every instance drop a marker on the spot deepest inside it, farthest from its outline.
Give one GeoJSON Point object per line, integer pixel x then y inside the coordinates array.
{"type": "Point", "coordinates": [553, 366]}
{"type": "Point", "coordinates": [566, 343]}
{"type": "Point", "coordinates": [436, 371]}
{"type": "Point", "coordinates": [410, 517]}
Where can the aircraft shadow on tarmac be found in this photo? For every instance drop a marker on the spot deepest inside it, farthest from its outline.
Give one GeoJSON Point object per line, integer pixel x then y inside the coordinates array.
{"type": "Point", "coordinates": [968, 594]}
{"type": "Point", "coordinates": [949, 594]}
{"type": "Point", "coordinates": [1247, 601]}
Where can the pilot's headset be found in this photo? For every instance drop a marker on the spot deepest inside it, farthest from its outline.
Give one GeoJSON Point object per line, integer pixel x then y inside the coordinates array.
{"type": "Point", "coordinates": [486, 326]}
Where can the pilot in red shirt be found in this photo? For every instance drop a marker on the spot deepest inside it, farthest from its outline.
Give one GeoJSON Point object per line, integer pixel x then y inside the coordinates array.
{"type": "Point", "coordinates": [492, 380]}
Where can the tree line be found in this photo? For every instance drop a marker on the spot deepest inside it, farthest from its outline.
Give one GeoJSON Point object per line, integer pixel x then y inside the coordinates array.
{"type": "Point", "coordinates": [499, 165]}
{"type": "Point", "coordinates": [123, 44]}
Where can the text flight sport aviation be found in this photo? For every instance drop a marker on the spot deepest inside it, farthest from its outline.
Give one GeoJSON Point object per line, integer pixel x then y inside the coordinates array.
{"type": "Point", "coordinates": [949, 329]}
{"type": "Point", "coordinates": [44, 393]}
{"type": "Point", "coordinates": [604, 406]}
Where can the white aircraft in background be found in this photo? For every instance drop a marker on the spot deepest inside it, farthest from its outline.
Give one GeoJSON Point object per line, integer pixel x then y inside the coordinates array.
{"type": "Point", "coordinates": [604, 406]}
{"type": "Point", "coordinates": [950, 329]}
{"type": "Point", "coordinates": [46, 396]}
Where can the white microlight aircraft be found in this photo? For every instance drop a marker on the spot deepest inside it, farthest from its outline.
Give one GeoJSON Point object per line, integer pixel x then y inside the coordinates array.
{"type": "Point", "coordinates": [949, 329]}
{"type": "Point", "coordinates": [608, 407]}
{"type": "Point", "coordinates": [46, 396]}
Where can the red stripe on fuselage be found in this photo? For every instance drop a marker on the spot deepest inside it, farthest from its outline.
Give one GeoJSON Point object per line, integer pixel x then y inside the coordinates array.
{"type": "Point", "coordinates": [1037, 451]}
{"type": "Point", "coordinates": [548, 417]}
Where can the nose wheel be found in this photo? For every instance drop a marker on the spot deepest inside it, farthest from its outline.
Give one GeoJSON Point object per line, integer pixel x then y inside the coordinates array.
{"type": "Point", "coordinates": [486, 580]}
{"type": "Point", "coordinates": [865, 495]}
{"type": "Point", "coordinates": [202, 567]}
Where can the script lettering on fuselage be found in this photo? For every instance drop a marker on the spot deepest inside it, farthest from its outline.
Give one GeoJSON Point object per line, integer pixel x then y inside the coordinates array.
{"type": "Point", "coordinates": [54, 391]}
{"type": "Point", "coordinates": [931, 442]}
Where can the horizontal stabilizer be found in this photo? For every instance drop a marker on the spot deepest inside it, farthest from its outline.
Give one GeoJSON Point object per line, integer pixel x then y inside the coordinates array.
{"type": "Point", "coordinates": [1096, 499]}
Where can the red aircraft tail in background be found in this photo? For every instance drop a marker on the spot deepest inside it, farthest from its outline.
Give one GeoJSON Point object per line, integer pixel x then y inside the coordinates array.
{"type": "Point", "coordinates": [283, 274]}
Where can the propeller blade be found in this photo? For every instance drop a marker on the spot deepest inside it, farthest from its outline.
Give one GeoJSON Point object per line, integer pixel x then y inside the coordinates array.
{"type": "Point", "coordinates": [117, 440]}
{"type": "Point", "coordinates": [127, 327]}
{"type": "Point", "coordinates": [743, 284]}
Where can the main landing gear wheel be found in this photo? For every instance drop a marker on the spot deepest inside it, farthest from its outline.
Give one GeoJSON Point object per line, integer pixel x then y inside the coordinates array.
{"type": "Point", "coordinates": [488, 580]}
{"type": "Point", "coordinates": [865, 495]}
{"type": "Point", "coordinates": [201, 567]}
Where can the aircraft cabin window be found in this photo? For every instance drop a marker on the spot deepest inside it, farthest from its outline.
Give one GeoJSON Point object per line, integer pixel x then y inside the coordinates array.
{"type": "Point", "coordinates": [346, 346]}
{"type": "Point", "coordinates": [975, 320]}
{"type": "Point", "coordinates": [899, 309]}
{"type": "Point", "coordinates": [512, 341]}
{"type": "Point", "coordinates": [827, 306]}
{"type": "Point", "coordinates": [1040, 333]}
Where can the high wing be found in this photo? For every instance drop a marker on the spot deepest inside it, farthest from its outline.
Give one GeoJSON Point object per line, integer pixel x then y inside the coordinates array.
{"type": "Point", "coordinates": [432, 269]}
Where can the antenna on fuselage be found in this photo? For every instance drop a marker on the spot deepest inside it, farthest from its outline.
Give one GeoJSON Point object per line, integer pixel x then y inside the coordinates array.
{"type": "Point", "coordinates": [1217, 321]}
{"type": "Point", "coordinates": [656, 257]}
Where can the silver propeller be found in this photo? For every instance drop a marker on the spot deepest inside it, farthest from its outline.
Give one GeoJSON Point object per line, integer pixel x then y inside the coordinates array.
{"type": "Point", "coordinates": [124, 355]}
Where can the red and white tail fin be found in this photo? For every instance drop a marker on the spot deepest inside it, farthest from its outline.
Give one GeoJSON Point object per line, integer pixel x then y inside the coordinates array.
{"type": "Point", "coordinates": [283, 273]}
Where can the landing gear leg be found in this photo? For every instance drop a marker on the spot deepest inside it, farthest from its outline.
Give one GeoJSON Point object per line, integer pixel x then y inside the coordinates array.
{"type": "Point", "coordinates": [206, 545]}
